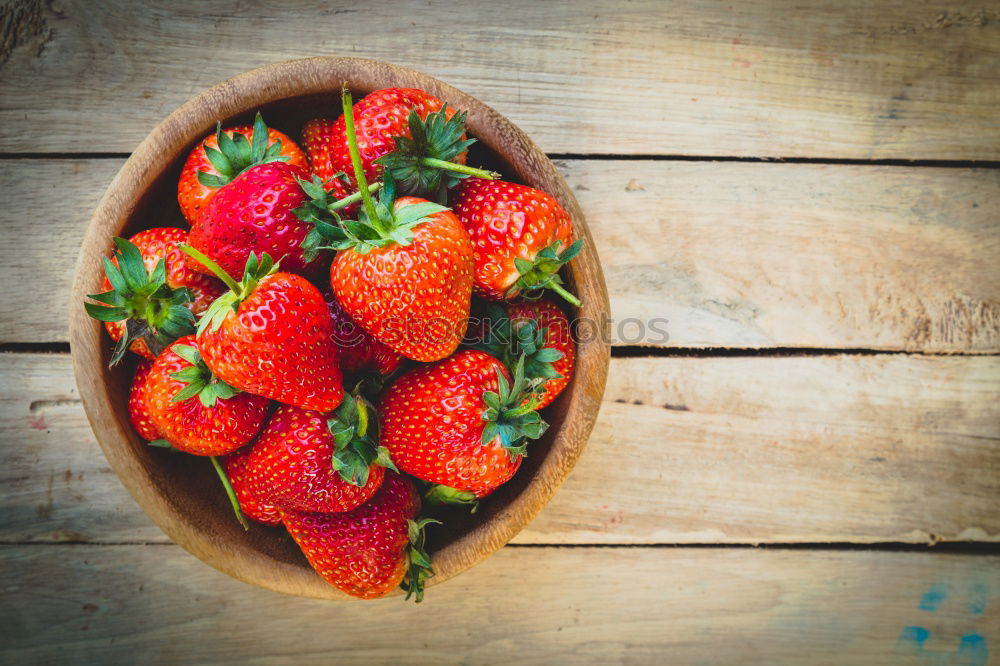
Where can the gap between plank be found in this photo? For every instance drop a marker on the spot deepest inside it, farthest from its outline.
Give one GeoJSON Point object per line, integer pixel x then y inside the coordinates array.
{"type": "Point", "coordinates": [638, 351]}
{"type": "Point", "coordinates": [933, 163]}
{"type": "Point", "coordinates": [623, 351]}
{"type": "Point", "coordinates": [963, 548]}
{"type": "Point", "coordinates": [952, 164]}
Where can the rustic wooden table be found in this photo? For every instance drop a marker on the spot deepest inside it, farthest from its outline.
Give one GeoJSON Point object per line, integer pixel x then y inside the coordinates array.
{"type": "Point", "coordinates": [807, 470]}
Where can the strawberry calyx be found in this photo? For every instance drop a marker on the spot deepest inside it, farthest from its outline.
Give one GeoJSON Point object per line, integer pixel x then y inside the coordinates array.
{"type": "Point", "coordinates": [542, 272]}
{"type": "Point", "coordinates": [418, 562]}
{"type": "Point", "coordinates": [508, 340]}
{"type": "Point", "coordinates": [236, 154]}
{"type": "Point", "coordinates": [422, 162]}
{"type": "Point", "coordinates": [380, 223]}
{"type": "Point", "coordinates": [511, 413]}
{"type": "Point", "coordinates": [199, 380]}
{"type": "Point", "coordinates": [354, 426]}
{"type": "Point", "coordinates": [151, 309]}
{"type": "Point", "coordinates": [223, 478]}
{"type": "Point", "coordinates": [254, 271]}
{"type": "Point", "coordinates": [323, 211]}
{"type": "Point", "coordinates": [440, 494]}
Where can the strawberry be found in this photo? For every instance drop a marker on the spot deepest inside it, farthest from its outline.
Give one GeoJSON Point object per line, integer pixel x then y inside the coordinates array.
{"type": "Point", "coordinates": [255, 213]}
{"type": "Point", "coordinates": [138, 407]}
{"type": "Point", "coordinates": [150, 296]}
{"type": "Point", "coordinates": [307, 462]}
{"type": "Point", "coordinates": [521, 237]}
{"type": "Point", "coordinates": [221, 420]}
{"type": "Point", "coordinates": [359, 351]}
{"type": "Point", "coordinates": [404, 270]}
{"type": "Point", "coordinates": [414, 295]}
{"type": "Point", "coordinates": [222, 156]}
{"type": "Point", "coordinates": [235, 465]}
{"type": "Point", "coordinates": [271, 334]}
{"type": "Point", "coordinates": [317, 136]}
{"type": "Point", "coordinates": [540, 332]}
{"type": "Point", "coordinates": [427, 140]}
{"type": "Point", "coordinates": [459, 422]}
{"type": "Point", "coordinates": [369, 551]}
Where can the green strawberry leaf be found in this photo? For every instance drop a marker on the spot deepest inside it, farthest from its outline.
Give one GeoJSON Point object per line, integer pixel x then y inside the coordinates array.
{"type": "Point", "coordinates": [236, 153]}
{"type": "Point", "coordinates": [543, 272]}
{"type": "Point", "coordinates": [511, 417]}
{"type": "Point", "coordinates": [353, 425]}
{"type": "Point", "coordinates": [151, 309]}
{"type": "Point", "coordinates": [423, 163]}
{"type": "Point", "coordinates": [418, 568]}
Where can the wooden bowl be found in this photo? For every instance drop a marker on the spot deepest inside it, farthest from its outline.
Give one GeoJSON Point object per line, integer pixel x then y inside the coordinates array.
{"type": "Point", "coordinates": [180, 492]}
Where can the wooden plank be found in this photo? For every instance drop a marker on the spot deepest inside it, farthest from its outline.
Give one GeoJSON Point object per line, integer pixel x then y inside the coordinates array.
{"type": "Point", "coordinates": [855, 79]}
{"type": "Point", "coordinates": [686, 450]}
{"type": "Point", "coordinates": [794, 255]}
{"type": "Point", "coordinates": [551, 605]}
{"type": "Point", "coordinates": [730, 254]}
{"type": "Point", "coordinates": [41, 240]}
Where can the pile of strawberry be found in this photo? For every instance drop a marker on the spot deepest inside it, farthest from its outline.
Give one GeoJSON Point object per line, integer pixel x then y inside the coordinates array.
{"type": "Point", "coordinates": [338, 392]}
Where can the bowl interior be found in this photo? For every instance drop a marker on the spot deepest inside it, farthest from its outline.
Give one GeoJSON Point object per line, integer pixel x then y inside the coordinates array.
{"type": "Point", "coordinates": [181, 492]}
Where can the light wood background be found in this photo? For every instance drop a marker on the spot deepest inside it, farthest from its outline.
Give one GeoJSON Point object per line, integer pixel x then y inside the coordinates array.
{"type": "Point", "coordinates": [807, 193]}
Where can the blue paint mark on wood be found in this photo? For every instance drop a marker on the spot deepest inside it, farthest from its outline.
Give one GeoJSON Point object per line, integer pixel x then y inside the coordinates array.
{"type": "Point", "coordinates": [914, 635]}
{"type": "Point", "coordinates": [972, 651]}
{"type": "Point", "coordinates": [911, 643]}
{"type": "Point", "coordinates": [934, 597]}
{"type": "Point", "coordinates": [979, 597]}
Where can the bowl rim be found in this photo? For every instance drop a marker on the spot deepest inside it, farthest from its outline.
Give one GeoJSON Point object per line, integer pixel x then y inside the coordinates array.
{"type": "Point", "coordinates": [253, 89]}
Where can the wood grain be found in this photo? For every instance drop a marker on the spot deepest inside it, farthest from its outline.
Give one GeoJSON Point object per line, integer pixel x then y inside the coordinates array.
{"type": "Point", "coordinates": [854, 79]}
{"type": "Point", "coordinates": [793, 255]}
{"type": "Point", "coordinates": [686, 450]}
{"type": "Point", "coordinates": [146, 604]}
{"type": "Point", "coordinates": [829, 256]}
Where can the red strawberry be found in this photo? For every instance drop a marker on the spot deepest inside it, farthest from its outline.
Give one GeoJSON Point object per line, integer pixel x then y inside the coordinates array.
{"type": "Point", "coordinates": [219, 421]}
{"type": "Point", "coordinates": [297, 463]}
{"type": "Point", "coordinates": [521, 237]}
{"type": "Point", "coordinates": [359, 351]}
{"type": "Point", "coordinates": [402, 130]}
{"type": "Point", "coordinates": [367, 552]}
{"type": "Point", "coordinates": [317, 136]}
{"type": "Point", "coordinates": [380, 117]}
{"type": "Point", "coordinates": [236, 470]}
{"type": "Point", "coordinates": [138, 407]}
{"type": "Point", "coordinates": [209, 167]}
{"type": "Point", "coordinates": [554, 329]}
{"type": "Point", "coordinates": [540, 332]}
{"type": "Point", "coordinates": [404, 272]}
{"type": "Point", "coordinates": [415, 297]}
{"type": "Point", "coordinates": [255, 213]}
{"type": "Point", "coordinates": [144, 305]}
{"type": "Point", "coordinates": [459, 422]}
{"type": "Point", "coordinates": [271, 334]}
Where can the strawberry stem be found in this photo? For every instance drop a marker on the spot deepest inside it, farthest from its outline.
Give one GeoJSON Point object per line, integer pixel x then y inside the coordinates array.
{"type": "Point", "coordinates": [230, 492]}
{"type": "Point", "coordinates": [362, 417]}
{"type": "Point", "coordinates": [352, 147]}
{"type": "Point", "coordinates": [570, 298]}
{"type": "Point", "coordinates": [351, 199]}
{"type": "Point", "coordinates": [212, 266]}
{"type": "Point", "coordinates": [459, 168]}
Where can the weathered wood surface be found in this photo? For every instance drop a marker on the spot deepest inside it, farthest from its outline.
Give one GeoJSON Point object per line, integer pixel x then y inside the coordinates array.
{"type": "Point", "coordinates": [114, 604]}
{"type": "Point", "coordinates": [829, 255]}
{"type": "Point", "coordinates": [856, 79]}
{"type": "Point", "coordinates": [744, 450]}
{"type": "Point", "coordinates": [686, 450]}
